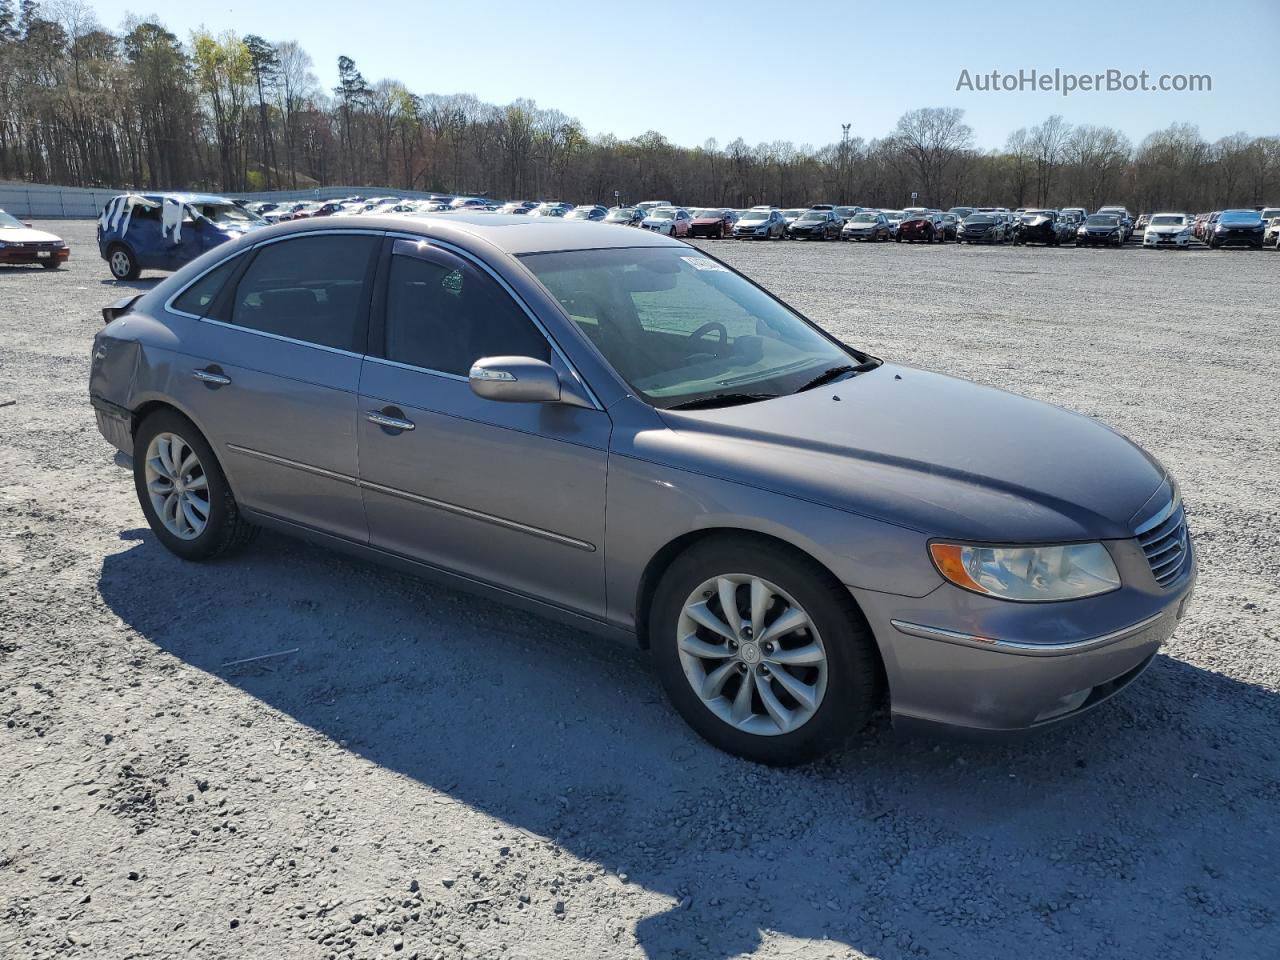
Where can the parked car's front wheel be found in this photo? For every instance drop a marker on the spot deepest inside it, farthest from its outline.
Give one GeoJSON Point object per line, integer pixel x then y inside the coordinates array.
{"type": "Point", "coordinates": [183, 491]}
{"type": "Point", "coordinates": [762, 651]}
{"type": "Point", "coordinates": [122, 263]}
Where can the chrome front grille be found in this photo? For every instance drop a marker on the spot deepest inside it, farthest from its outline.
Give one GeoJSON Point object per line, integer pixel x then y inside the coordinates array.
{"type": "Point", "coordinates": [1165, 543]}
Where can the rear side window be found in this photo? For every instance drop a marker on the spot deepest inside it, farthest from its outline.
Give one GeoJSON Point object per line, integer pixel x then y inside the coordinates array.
{"type": "Point", "coordinates": [199, 297]}
{"type": "Point", "coordinates": [314, 289]}
{"type": "Point", "coordinates": [447, 315]}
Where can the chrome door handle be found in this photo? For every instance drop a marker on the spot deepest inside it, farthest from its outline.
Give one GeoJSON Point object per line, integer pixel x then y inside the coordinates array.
{"type": "Point", "coordinates": [391, 423]}
{"type": "Point", "coordinates": [208, 377]}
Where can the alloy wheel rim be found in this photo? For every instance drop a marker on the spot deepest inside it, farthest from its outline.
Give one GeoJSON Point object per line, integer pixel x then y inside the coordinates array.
{"type": "Point", "coordinates": [120, 263]}
{"type": "Point", "coordinates": [752, 654]}
{"type": "Point", "coordinates": [177, 485]}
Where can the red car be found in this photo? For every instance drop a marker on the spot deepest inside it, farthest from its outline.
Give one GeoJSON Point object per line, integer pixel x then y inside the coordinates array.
{"type": "Point", "coordinates": [21, 244]}
{"type": "Point", "coordinates": [927, 227]}
{"type": "Point", "coordinates": [712, 223]}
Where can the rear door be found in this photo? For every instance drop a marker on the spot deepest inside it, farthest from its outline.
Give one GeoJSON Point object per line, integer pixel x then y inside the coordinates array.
{"type": "Point", "coordinates": [511, 494]}
{"type": "Point", "coordinates": [273, 371]}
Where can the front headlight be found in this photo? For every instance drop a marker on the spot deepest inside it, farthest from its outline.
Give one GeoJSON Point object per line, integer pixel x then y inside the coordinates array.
{"type": "Point", "coordinates": [1028, 574]}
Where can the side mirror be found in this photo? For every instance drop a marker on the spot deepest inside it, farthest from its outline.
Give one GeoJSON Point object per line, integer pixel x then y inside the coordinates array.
{"type": "Point", "coordinates": [515, 380]}
{"type": "Point", "coordinates": [27, 224]}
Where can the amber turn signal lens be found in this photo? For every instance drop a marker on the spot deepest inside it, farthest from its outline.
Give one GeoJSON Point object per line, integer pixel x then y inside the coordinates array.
{"type": "Point", "coordinates": [949, 559]}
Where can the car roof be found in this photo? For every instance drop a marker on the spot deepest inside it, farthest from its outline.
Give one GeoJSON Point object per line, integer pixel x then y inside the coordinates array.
{"type": "Point", "coordinates": [186, 197]}
{"type": "Point", "coordinates": [511, 234]}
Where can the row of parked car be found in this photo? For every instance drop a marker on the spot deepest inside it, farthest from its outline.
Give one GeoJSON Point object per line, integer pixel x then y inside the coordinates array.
{"type": "Point", "coordinates": [1108, 226]}
{"type": "Point", "coordinates": [164, 231]}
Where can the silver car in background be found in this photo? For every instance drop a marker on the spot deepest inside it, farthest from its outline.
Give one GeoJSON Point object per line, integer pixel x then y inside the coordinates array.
{"type": "Point", "coordinates": [615, 429]}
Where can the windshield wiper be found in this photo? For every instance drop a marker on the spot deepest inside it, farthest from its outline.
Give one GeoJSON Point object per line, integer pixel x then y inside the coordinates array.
{"type": "Point", "coordinates": [834, 373]}
{"type": "Point", "coordinates": [721, 400]}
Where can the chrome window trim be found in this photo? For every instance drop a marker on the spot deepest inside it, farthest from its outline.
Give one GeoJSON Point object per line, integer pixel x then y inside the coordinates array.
{"type": "Point", "coordinates": [282, 339]}
{"type": "Point", "coordinates": [262, 333]}
{"type": "Point", "coordinates": [168, 304]}
{"type": "Point", "coordinates": [409, 366]}
{"type": "Point", "coordinates": [511, 292]}
{"type": "Point", "coordinates": [1022, 647]}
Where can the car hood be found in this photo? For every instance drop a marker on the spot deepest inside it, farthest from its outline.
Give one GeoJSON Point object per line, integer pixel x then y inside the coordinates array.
{"type": "Point", "coordinates": [926, 451]}
{"type": "Point", "coordinates": [27, 235]}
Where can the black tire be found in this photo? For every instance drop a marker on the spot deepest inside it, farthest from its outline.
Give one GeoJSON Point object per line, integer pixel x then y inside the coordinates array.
{"type": "Point", "coordinates": [122, 263]}
{"type": "Point", "coordinates": [52, 264]}
{"type": "Point", "coordinates": [226, 531]}
{"type": "Point", "coordinates": [853, 664]}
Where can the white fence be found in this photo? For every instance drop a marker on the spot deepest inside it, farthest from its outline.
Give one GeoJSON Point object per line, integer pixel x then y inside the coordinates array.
{"type": "Point", "coordinates": [41, 202]}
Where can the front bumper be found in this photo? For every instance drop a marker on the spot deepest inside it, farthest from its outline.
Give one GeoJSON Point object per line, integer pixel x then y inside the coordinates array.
{"type": "Point", "coordinates": [1237, 239]}
{"type": "Point", "coordinates": [963, 660]}
{"type": "Point", "coordinates": [1165, 240]}
{"type": "Point", "coordinates": [34, 254]}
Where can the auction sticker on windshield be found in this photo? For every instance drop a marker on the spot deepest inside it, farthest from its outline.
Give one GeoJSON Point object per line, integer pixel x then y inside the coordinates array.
{"type": "Point", "coordinates": [703, 263]}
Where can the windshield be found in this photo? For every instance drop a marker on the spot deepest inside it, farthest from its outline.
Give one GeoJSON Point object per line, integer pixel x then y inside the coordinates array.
{"type": "Point", "coordinates": [865, 218]}
{"type": "Point", "coordinates": [226, 213]}
{"type": "Point", "coordinates": [1103, 220]}
{"type": "Point", "coordinates": [680, 327]}
{"type": "Point", "coordinates": [579, 214]}
{"type": "Point", "coordinates": [894, 214]}
{"type": "Point", "coordinates": [1168, 221]}
{"type": "Point", "coordinates": [814, 215]}
{"type": "Point", "coordinates": [792, 214]}
{"type": "Point", "coordinates": [979, 218]}
{"type": "Point", "coordinates": [626, 213]}
{"type": "Point", "coordinates": [753, 215]}
{"type": "Point", "coordinates": [8, 222]}
{"type": "Point", "coordinates": [662, 213]}
{"type": "Point", "coordinates": [1240, 216]}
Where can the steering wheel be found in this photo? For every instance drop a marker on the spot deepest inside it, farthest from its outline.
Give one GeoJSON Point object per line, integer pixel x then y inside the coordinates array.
{"type": "Point", "coordinates": [708, 327]}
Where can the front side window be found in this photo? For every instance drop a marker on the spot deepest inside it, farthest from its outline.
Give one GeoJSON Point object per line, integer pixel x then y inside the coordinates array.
{"type": "Point", "coordinates": [680, 327]}
{"type": "Point", "coordinates": [445, 315]}
{"type": "Point", "coordinates": [313, 289]}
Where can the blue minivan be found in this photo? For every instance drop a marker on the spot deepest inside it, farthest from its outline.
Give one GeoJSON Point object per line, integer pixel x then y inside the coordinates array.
{"type": "Point", "coordinates": [164, 231]}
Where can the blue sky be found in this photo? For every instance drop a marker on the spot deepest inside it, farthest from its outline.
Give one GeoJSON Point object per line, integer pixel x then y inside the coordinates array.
{"type": "Point", "coordinates": [783, 71]}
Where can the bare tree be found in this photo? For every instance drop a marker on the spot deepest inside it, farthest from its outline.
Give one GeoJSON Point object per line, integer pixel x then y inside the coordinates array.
{"type": "Point", "coordinates": [1048, 143]}
{"type": "Point", "coordinates": [931, 138]}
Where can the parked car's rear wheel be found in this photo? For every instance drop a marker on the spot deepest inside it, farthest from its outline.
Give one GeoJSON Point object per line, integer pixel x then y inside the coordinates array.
{"type": "Point", "coordinates": [183, 491]}
{"type": "Point", "coordinates": [122, 262]}
{"type": "Point", "coordinates": [51, 264]}
{"type": "Point", "coordinates": [762, 651]}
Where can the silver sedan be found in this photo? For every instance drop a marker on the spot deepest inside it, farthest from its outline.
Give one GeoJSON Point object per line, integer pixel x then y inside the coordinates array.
{"type": "Point", "coordinates": [618, 430]}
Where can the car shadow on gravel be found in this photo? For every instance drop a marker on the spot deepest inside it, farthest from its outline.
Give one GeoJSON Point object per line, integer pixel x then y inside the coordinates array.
{"type": "Point", "coordinates": [143, 284]}
{"type": "Point", "coordinates": [1120, 835]}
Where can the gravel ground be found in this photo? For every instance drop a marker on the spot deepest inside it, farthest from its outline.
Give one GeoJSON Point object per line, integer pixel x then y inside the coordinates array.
{"type": "Point", "coordinates": [427, 775]}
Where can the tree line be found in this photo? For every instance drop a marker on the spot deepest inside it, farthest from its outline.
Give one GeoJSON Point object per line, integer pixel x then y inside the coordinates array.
{"type": "Point", "coordinates": [144, 109]}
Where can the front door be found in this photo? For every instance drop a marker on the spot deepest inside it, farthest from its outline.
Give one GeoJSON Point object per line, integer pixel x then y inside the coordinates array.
{"type": "Point", "coordinates": [511, 494]}
{"type": "Point", "coordinates": [271, 375]}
